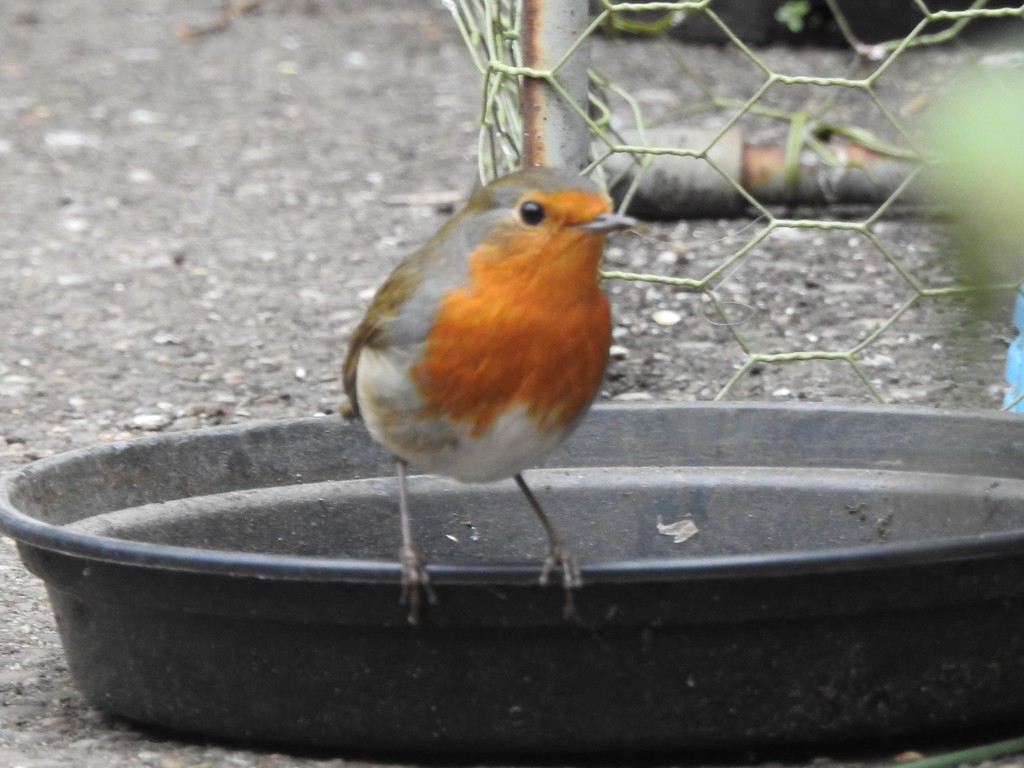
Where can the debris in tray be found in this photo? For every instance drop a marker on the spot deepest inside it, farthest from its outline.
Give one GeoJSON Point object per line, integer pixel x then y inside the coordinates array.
{"type": "Point", "coordinates": [680, 531]}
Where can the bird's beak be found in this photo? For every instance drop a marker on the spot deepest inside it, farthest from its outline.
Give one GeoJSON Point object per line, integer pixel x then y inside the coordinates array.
{"type": "Point", "coordinates": [608, 222]}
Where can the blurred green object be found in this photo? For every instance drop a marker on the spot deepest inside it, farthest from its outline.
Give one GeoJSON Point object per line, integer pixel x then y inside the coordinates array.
{"type": "Point", "coordinates": [793, 13]}
{"type": "Point", "coordinates": [980, 181]}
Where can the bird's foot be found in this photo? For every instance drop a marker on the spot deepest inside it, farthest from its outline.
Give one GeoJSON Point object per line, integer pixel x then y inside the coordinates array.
{"type": "Point", "coordinates": [561, 558]}
{"type": "Point", "coordinates": [415, 582]}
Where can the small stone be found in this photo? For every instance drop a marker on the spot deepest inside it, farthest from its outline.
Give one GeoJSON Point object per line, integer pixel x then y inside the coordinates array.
{"type": "Point", "coordinates": [140, 176]}
{"type": "Point", "coordinates": [618, 352]}
{"type": "Point", "coordinates": [13, 385]}
{"type": "Point", "coordinates": [74, 224]}
{"type": "Point", "coordinates": [70, 140]}
{"type": "Point", "coordinates": [151, 422]}
{"type": "Point", "coordinates": [145, 117]}
{"type": "Point", "coordinates": [632, 397]}
{"type": "Point", "coordinates": [206, 409]}
{"type": "Point", "coordinates": [16, 676]}
{"type": "Point", "coordinates": [666, 317]}
{"type": "Point", "coordinates": [328, 405]}
{"type": "Point", "coordinates": [615, 254]}
{"type": "Point", "coordinates": [72, 279]}
{"type": "Point", "coordinates": [83, 744]}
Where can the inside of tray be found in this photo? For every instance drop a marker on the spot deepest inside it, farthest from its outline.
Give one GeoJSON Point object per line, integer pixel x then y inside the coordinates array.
{"type": "Point", "coordinates": [610, 513]}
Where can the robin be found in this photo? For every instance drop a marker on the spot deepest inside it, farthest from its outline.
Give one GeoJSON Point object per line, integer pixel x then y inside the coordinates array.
{"type": "Point", "coordinates": [485, 348]}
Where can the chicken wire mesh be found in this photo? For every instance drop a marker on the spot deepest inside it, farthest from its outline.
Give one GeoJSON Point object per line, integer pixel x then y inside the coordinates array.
{"type": "Point", "coordinates": [787, 187]}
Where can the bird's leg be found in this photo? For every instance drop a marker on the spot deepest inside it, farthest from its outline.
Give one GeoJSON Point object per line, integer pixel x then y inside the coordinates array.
{"type": "Point", "coordinates": [415, 580]}
{"type": "Point", "coordinates": [558, 554]}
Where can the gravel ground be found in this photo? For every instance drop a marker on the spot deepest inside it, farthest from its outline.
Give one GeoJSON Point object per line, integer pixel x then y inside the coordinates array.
{"type": "Point", "coordinates": [192, 226]}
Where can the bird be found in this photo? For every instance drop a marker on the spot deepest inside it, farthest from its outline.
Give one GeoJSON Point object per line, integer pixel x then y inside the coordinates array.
{"type": "Point", "coordinates": [485, 348]}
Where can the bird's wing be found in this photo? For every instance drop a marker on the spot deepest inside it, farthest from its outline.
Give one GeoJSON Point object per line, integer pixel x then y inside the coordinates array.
{"type": "Point", "coordinates": [402, 311]}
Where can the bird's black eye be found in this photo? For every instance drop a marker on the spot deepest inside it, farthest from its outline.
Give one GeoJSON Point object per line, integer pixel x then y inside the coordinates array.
{"type": "Point", "coordinates": [532, 213]}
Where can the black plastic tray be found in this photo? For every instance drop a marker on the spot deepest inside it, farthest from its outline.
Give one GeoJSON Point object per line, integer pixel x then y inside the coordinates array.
{"type": "Point", "coordinates": [857, 572]}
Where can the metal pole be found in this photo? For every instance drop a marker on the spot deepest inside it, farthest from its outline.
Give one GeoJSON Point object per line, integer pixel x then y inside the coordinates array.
{"type": "Point", "coordinates": [554, 133]}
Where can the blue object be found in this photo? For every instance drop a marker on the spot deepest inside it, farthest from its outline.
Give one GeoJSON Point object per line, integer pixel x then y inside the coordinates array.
{"type": "Point", "coordinates": [1015, 360]}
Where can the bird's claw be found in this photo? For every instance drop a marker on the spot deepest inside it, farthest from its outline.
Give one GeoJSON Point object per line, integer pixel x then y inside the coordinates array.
{"type": "Point", "coordinates": [561, 558]}
{"type": "Point", "coordinates": [415, 583]}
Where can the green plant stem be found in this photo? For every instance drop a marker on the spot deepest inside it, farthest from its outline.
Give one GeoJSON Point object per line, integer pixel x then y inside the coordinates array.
{"type": "Point", "coordinates": [972, 755]}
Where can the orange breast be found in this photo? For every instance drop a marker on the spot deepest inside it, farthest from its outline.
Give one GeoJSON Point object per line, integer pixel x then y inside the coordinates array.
{"type": "Point", "coordinates": [530, 329]}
